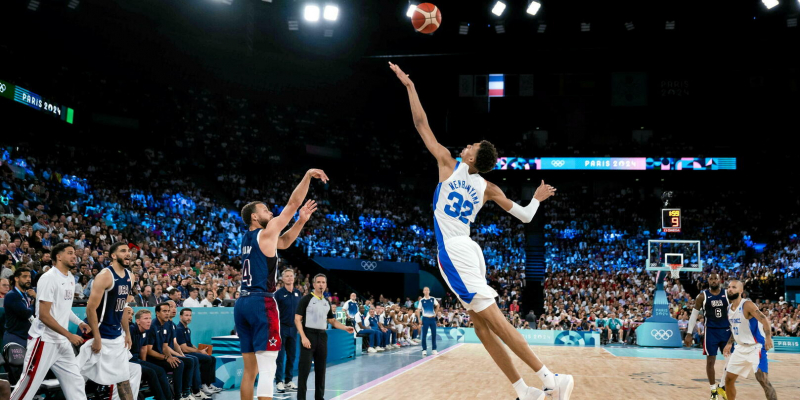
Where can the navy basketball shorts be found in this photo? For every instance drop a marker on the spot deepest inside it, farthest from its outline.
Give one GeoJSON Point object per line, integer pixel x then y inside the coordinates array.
{"type": "Point", "coordinates": [257, 323]}
{"type": "Point", "coordinates": [715, 340]}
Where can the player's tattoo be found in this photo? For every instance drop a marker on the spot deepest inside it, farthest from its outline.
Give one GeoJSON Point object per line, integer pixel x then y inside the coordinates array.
{"type": "Point", "coordinates": [769, 391]}
{"type": "Point", "coordinates": [124, 390]}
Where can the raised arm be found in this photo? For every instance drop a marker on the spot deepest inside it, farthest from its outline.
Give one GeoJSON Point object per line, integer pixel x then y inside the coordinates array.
{"type": "Point", "coordinates": [290, 236]}
{"type": "Point", "coordinates": [438, 151]}
{"type": "Point", "coordinates": [525, 214]}
{"type": "Point", "coordinates": [276, 225]}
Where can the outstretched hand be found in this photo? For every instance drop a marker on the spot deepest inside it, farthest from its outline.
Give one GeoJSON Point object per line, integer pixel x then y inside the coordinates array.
{"type": "Point", "coordinates": [319, 174]}
{"type": "Point", "coordinates": [307, 210]}
{"type": "Point", "coordinates": [401, 75]}
{"type": "Point", "coordinates": [543, 192]}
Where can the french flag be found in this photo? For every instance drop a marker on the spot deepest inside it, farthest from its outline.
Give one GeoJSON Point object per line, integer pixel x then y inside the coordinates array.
{"type": "Point", "coordinates": [496, 85]}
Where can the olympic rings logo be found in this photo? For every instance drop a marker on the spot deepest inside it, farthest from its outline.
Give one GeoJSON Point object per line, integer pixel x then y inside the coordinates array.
{"type": "Point", "coordinates": [2, 87]}
{"type": "Point", "coordinates": [558, 163]}
{"type": "Point", "coordinates": [661, 334]}
{"type": "Point", "coordinates": [369, 265]}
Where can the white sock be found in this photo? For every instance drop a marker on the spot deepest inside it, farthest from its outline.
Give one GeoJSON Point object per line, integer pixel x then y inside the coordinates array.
{"type": "Point", "coordinates": [713, 387]}
{"type": "Point", "coordinates": [547, 377]}
{"type": "Point", "coordinates": [520, 387]}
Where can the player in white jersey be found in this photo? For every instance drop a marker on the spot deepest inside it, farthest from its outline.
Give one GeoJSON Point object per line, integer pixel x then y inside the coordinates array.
{"type": "Point", "coordinates": [459, 196]}
{"type": "Point", "coordinates": [49, 340]}
{"type": "Point", "coordinates": [752, 343]}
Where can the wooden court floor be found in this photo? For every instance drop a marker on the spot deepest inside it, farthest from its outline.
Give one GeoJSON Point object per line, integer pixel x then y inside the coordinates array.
{"type": "Point", "coordinates": [467, 372]}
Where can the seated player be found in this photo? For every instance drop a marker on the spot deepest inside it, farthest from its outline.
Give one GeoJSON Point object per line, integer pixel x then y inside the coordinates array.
{"type": "Point", "coordinates": [158, 352]}
{"type": "Point", "coordinates": [155, 376]}
{"type": "Point", "coordinates": [208, 364]}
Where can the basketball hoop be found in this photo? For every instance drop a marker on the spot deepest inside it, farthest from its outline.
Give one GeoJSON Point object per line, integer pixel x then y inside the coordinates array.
{"type": "Point", "coordinates": [675, 270]}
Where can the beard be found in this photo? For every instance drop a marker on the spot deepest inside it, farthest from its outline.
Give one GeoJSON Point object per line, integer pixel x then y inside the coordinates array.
{"type": "Point", "coordinates": [25, 286]}
{"type": "Point", "coordinates": [714, 287]}
{"type": "Point", "coordinates": [733, 296]}
{"type": "Point", "coordinates": [263, 223]}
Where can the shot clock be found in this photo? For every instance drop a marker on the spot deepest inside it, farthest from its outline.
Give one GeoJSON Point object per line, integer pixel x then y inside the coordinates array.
{"type": "Point", "coordinates": [671, 220]}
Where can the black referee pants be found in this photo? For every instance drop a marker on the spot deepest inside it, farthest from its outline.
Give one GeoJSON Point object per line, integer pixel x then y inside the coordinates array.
{"type": "Point", "coordinates": [319, 353]}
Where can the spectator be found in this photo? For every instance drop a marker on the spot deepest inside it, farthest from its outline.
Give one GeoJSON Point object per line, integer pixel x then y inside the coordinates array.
{"type": "Point", "coordinates": [193, 300]}
{"type": "Point", "coordinates": [5, 287]}
{"type": "Point", "coordinates": [20, 305]}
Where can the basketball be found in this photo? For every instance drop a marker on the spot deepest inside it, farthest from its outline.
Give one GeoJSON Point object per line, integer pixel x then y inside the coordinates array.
{"type": "Point", "coordinates": [426, 18]}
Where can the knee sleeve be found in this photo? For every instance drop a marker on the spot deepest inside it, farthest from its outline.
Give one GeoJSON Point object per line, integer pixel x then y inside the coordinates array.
{"type": "Point", "coordinates": [266, 372]}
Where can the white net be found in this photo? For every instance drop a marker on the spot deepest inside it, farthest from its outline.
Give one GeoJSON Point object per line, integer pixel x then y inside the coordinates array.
{"type": "Point", "coordinates": [675, 270]}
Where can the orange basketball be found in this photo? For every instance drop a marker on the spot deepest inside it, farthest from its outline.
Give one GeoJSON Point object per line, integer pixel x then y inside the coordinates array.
{"type": "Point", "coordinates": [426, 18]}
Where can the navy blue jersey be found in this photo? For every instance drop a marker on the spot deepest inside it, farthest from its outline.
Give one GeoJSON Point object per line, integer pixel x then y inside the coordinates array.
{"type": "Point", "coordinates": [161, 334]}
{"type": "Point", "coordinates": [716, 309]}
{"type": "Point", "coordinates": [109, 312]}
{"type": "Point", "coordinates": [138, 339]}
{"type": "Point", "coordinates": [183, 334]}
{"type": "Point", "coordinates": [259, 272]}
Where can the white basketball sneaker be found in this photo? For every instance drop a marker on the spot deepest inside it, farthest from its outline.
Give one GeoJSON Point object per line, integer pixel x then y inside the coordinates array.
{"type": "Point", "coordinates": [533, 394]}
{"type": "Point", "coordinates": [371, 350]}
{"type": "Point", "coordinates": [424, 353]}
{"type": "Point", "coordinates": [564, 385]}
{"type": "Point", "coordinates": [434, 352]}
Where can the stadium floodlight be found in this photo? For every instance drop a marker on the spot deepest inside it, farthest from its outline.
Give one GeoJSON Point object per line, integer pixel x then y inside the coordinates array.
{"type": "Point", "coordinates": [33, 5]}
{"type": "Point", "coordinates": [585, 27]}
{"type": "Point", "coordinates": [463, 29]}
{"type": "Point", "coordinates": [73, 4]}
{"type": "Point", "coordinates": [311, 13]}
{"type": "Point", "coordinates": [499, 28]}
{"type": "Point", "coordinates": [331, 13]}
{"type": "Point", "coordinates": [293, 24]}
{"type": "Point", "coordinates": [791, 23]}
{"type": "Point", "coordinates": [411, 9]}
{"type": "Point", "coordinates": [534, 7]}
{"type": "Point", "coordinates": [328, 33]}
{"type": "Point", "coordinates": [670, 26]}
{"type": "Point", "coordinates": [498, 8]}
{"type": "Point", "coordinates": [629, 26]}
{"type": "Point", "coordinates": [770, 3]}
{"type": "Point", "coordinates": [542, 27]}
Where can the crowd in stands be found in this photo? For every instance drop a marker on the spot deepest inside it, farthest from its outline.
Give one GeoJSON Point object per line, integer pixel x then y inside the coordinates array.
{"type": "Point", "coordinates": [596, 262]}
{"type": "Point", "coordinates": [178, 204]}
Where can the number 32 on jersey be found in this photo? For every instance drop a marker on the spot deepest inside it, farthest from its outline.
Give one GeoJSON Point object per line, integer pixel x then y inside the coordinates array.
{"type": "Point", "coordinates": [459, 208]}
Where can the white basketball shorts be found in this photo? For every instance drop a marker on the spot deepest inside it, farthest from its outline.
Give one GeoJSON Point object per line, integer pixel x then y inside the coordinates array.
{"type": "Point", "coordinates": [463, 267]}
{"type": "Point", "coordinates": [108, 367]}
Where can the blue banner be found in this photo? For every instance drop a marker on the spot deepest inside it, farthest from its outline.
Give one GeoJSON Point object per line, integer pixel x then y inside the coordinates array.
{"type": "Point", "coordinates": [659, 334]}
{"type": "Point", "coordinates": [532, 336]}
{"type": "Point", "coordinates": [350, 264]}
{"type": "Point", "coordinates": [786, 344]}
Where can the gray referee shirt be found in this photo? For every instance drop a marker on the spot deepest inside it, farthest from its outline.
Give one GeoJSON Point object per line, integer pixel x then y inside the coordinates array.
{"type": "Point", "coordinates": [315, 312]}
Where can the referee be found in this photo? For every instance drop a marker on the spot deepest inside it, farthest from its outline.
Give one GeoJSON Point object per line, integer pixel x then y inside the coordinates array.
{"type": "Point", "coordinates": [312, 317]}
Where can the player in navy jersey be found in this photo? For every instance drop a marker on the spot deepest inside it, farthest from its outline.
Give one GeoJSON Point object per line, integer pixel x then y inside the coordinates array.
{"type": "Point", "coordinates": [104, 359]}
{"type": "Point", "coordinates": [713, 302]}
{"type": "Point", "coordinates": [459, 196]}
{"type": "Point", "coordinates": [256, 312]}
